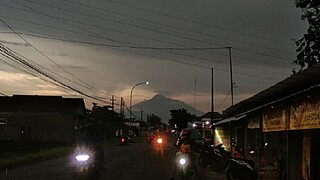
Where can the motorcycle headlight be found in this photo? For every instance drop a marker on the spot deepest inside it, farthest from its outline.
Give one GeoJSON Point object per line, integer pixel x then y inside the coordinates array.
{"type": "Point", "coordinates": [159, 140]}
{"type": "Point", "coordinates": [183, 161]}
{"type": "Point", "coordinates": [82, 157]}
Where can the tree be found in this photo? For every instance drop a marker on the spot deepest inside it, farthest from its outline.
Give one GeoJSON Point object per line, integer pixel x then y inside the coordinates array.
{"type": "Point", "coordinates": [154, 120]}
{"type": "Point", "coordinates": [108, 121]}
{"type": "Point", "coordinates": [309, 45]}
{"type": "Point", "coordinates": [180, 118]}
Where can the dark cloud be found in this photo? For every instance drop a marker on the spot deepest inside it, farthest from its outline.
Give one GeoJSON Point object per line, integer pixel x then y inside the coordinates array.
{"type": "Point", "coordinates": [262, 50]}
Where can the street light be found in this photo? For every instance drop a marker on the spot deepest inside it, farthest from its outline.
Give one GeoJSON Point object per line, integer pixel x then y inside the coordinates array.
{"type": "Point", "coordinates": [131, 95]}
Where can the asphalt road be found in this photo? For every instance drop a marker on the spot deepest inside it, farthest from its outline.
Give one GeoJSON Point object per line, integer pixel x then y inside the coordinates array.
{"type": "Point", "coordinates": [132, 162]}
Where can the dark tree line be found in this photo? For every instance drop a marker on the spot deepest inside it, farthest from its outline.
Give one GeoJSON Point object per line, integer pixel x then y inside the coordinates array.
{"type": "Point", "coordinates": [180, 118]}
{"type": "Point", "coordinates": [309, 45]}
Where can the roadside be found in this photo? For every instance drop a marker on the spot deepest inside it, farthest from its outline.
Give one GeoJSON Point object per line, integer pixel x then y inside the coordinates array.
{"type": "Point", "coordinates": [207, 174]}
{"type": "Point", "coordinates": [15, 156]}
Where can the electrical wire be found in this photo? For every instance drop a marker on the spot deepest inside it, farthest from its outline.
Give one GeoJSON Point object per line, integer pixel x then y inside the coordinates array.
{"type": "Point", "coordinates": [149, 29]}
{"type": "Point", "coordinates": [13, 55]}
{"type": "Point", "coordinates": [87, 85]}
{"type": "Point", "coordinates": [226, 63]}
{"type": "Point", "coordinates": [196, 22]}
{"type": "Point", "coordinates": [103, 11]}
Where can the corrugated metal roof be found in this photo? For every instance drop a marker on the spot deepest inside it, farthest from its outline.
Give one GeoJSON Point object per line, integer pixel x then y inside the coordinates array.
{"type": "Point", "coordinates": [290, 85]}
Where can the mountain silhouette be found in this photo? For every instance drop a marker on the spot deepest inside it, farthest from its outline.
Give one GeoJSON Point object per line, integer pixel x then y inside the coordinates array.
{"type": "Point", "coordinates": [160, 106]}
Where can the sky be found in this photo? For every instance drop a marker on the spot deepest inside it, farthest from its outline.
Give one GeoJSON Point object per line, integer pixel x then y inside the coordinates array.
{"type": "Point", "coordinates": [98, 48]}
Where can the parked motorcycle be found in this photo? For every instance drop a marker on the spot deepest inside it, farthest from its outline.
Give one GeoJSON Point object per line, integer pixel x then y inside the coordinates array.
{"type": "Point", "coordinates": [87, 161]}
{"type": "Point", "coordinates": [206, 155]}
{"type": "Point", "coordinates": [219, 158]}
{"type": "Point", "coordinates": [184, 165]}
{"type": "Point", "coordinates": [241, 169]}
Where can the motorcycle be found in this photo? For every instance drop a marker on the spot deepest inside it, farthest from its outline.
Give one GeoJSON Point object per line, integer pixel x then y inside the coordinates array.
{"type": "Point", "coordinates": [124, 140]}
{"type": "Point", "coordinates": [159, 140]}
{"type": "Point", "coordinates": [184, 165]}
{"type": "Point", "coordinates": [206, 155]}
{"type": "Point", "coordinates": [149, 139]}
{"type": "Point", "coordinates": [241, 169]}
{"type": "Point", "coordinates": [218, 158]}
{"type": "Point", "coordinates": [87, 161]}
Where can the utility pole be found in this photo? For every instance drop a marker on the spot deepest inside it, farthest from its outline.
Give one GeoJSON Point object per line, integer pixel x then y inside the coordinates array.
{"type": "Point", "coordinates": [231, 76]}
{"type": "Point", "coordinates": [195, 98]}
{"type": "Point", "coordinates": [141, 119]}
{"type": "Point", "coordinates": [212, 107]}
{"type": "Point", "coordinates": [122, 108]}
{"type": "Point", "coordinates": [112, 102]}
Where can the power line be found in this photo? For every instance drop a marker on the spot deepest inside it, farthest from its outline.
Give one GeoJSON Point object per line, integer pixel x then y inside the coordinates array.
{"type": "Point", "coordinates": [102, 10]}
{"type": "Point", "coordinates": [170, 48]}
{"type": "Point", "coordinates": [13, 55]}
{"type": "Point", "coordinates": [197, 22]}
{"type": "Point", "coordinates": [156, 40]}
{"type": "Point", "coordinates": [19, 69]}
{"type": "Point", "coordinates": [222, 102]}
{"type": "Point", "coordinates": [3, 94]}
{"type": "Point", "coordinates": [169, 52]}
{"type": "Point", "coordinates": [88, 86]}
{"type": "Point", "coordinates": [167, 59]}
{"type": "Point", "coordinates": [140, 27]}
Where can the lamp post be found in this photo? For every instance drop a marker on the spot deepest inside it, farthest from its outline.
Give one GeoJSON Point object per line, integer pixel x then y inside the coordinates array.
{"type": "Point", "coordinates": [146, 82]}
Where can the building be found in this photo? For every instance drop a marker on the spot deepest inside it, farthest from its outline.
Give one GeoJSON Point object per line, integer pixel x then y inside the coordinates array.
{"type": "Point", "coordinates": [40, 118]}
{"type": "Point", "coordinates": [279, 128]}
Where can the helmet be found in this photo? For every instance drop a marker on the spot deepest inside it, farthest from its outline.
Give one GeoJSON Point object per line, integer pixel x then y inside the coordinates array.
{"type": "Point", "coordinates": [184, 134]}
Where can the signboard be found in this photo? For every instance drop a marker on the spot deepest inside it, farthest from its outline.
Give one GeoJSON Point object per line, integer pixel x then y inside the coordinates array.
{"type": "Point", "coordinates": [275, 120]}
{"type": "Point", "coordinates": [268, 164]}
{"type": "Point", "coordinates": [305, 115]}
{"type": "Point", "coordinates": [132, 123]}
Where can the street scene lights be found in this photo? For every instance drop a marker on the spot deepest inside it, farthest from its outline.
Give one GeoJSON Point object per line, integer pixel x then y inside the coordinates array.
{"type": "Point", "coordinates": [146, 82]}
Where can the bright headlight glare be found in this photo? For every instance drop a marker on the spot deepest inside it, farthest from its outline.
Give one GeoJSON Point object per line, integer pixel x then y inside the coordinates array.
{"type": "Point", "coordinates": [182, 161]}
{"type": "Point", "coordinates": [82, 157]}
{"type": "Point", "coordinates": [159, 140]}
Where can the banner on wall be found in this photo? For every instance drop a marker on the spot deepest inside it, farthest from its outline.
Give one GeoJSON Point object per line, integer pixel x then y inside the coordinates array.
{"type": "Point", "coordinates": [275, 120]}
{"type": "Point", "coordinates": [305, 115]}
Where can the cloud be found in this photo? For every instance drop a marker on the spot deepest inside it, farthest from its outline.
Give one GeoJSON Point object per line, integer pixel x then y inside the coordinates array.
{"type": "Point", "coordinates": [165, 93]}
{"type": "Point", "coordinates": [62, 54]}
{"type": "Point", "coordinates": [15, 43]}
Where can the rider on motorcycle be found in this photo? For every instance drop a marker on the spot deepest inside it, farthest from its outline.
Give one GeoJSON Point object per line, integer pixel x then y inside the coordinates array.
{"type": "Point", "coordinates": [185, 145]}
{"type": "Point", "coordinates": [90, 137]}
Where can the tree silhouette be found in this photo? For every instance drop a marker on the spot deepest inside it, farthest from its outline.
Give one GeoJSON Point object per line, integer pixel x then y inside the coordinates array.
{"type": "Point", "coordinates": [309, 45]}
{"type": "Point", "coordinates": [180, 118]}
{"type": "Point", "coordinates": [154, 120]}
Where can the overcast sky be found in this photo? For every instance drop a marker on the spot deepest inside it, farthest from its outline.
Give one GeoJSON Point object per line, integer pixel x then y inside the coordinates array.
{"type": "Point", "coordinates": [105, 47]}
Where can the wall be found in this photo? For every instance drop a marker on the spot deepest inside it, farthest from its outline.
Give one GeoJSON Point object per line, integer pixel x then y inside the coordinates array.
{"type": "Point", "coordinates": [40, 126]}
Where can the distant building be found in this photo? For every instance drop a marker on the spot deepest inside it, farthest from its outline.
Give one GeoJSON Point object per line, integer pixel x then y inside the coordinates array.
{"type": "Point", "coordinates": [40, 118]}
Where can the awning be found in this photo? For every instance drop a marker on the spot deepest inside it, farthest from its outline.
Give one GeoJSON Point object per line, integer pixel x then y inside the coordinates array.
{"type": "Point", "coordinates": [229, 119]}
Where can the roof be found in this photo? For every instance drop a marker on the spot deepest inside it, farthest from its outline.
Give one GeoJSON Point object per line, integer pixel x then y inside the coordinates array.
{"type": "Point", "coordinates": [232, 118]}
{"type": "Point", "coordinates": [295, 83]}
{"type": "Point", "coordinates": [35, 103]}
{"type": "Point", "coordinates": [216, 115]}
